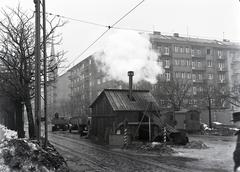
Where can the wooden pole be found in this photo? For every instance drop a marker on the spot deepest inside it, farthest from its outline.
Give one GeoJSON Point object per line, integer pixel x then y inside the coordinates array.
{"type": "Point", "coordinates": [37, 71]}
{"type": "Point", "coordinates": [45, 72]}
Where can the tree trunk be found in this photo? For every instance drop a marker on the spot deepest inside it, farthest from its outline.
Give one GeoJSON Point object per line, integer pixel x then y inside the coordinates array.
{"type": "Point", "coordinates": [31, 130]}
{"type": "Point", "coordinates": [210, 117]}
{"type": "Point", "coordinates": [10, 120]}
{"type": "Point", "coordinates": [19, 118]}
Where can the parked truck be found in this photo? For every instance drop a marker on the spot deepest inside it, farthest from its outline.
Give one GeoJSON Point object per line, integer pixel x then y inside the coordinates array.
{"type": "Point", "coordinates": [59, 123]}
{"type": "Point", "coordinates": [79, 123]}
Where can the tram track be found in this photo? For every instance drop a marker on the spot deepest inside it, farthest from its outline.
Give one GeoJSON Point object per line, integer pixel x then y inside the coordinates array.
{"type": "Point", "coordinates": [114, 160]}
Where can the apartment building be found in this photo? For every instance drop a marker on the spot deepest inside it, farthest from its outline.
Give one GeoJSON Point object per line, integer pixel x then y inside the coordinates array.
{"type": "Point", "coordinates": [202, 61]}
{"type": "Point", "coordinates": [182, 57]}
{"type": "Point", "coordinates": [87, 79]}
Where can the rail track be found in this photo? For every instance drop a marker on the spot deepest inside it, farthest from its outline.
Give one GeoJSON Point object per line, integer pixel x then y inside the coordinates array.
{"type": "Point", "coordinates": [101, 158]}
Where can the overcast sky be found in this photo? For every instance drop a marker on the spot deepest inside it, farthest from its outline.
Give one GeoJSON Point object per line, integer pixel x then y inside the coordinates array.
{"type": "Point", "coordinates": [213, 19]}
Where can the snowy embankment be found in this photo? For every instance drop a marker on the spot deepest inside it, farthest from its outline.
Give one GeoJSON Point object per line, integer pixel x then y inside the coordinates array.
{"type": "Point", "coordinates": [6, 133]}
{"type": "Point", "coordinates": [24, 155]}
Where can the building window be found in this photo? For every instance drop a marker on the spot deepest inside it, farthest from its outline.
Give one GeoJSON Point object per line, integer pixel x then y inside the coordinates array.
{"type": "Point", "coordinates": [167, 75]}
{"type": "Point", "coordinates": [199, 64]}
{"type": "Point", "coordinates": [201, 89]}
{"type": "Point", "coordinates": [232, 54]}
{"type": "Point", "coordinates": [177, 62]}
{"type": "Point", "coordinates": [193, 64]}
{"type": "Point", "coordinates": [209, 63]}
{"type": "Point", "coordinates": [210, 76]}
{"type": "Point", "coordinates": [194, 90]}
{"type": "Point", "coordinates": [189, 75]}
{"type": "Point", "coordinates": [222, 77]}
{"type": "Point", "coordinates": [208, 51]}
{"type": "Point", "coordinates": [166, 50]}
{"type": "Point", "coordinates": [176, 49]}
{"type": "Point", "coordinates": [103, 79]}
{"type": "Point", "coordinates": [192, 52]}
{"type": "Point", "coordinates": [219, 53]}
{"type": "Point", "coordinates": [159, 49]}
{"type": "Point", "coordinates": [199, 76]}
{"type": "Point", "coordinates": [183, 75]}
{"type": "Point", "coordinates": [188, 62]}
{"type": "Point", "coordinates": [187, 50]}
{"type": "Point", "coordinates": [221, 65]}
{"type": "Point", "coordinates": [98, 81]}
{"type": "Point", "coordinates": [167, 63]}
{"type": "Point", "coordinates": [182, 62]}
{"type": "Point", "coordinates": [198, 52]}
{"type": "Point", "coordinates": [181, 49]}
{"type": "Point", "coordinates": [194, 77]}
{"type": "Point", "coordinates": [177, 74]}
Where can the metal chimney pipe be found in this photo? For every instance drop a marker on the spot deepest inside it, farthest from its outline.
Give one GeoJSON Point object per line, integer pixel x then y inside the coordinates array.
{"type": "Point", "coordinates": [130, 74]}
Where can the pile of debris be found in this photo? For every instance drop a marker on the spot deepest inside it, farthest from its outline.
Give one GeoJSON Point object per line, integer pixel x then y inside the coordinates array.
{"type": "Point", "coordinates": [153, 147]}
{"type": "Point", "coordinates": [24, 155]}
{"type": "Point", "coordinates": [27, 155]}
{"type": "Point", "coordinates": [195, 145]}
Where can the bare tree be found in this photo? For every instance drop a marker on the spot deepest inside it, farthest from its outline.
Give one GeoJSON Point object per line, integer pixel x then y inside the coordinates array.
{"type": "Point", "coordinates": [174, 94]}
{"type": "Point", "coordinates": [208, 98]}
{"type": "Point", "coordinates": [17, 57]}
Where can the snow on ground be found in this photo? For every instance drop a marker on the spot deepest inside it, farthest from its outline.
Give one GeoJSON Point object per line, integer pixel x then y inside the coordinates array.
{"type": "Point", "coordinates": [24, 155]}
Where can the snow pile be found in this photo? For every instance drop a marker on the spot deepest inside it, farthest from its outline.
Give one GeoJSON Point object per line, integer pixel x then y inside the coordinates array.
{"type": "Point", "coordinates": [196, 145]}
{"type": "Point", "coordinates": [8, 134]}
{"type": "Point", "coordinates": [24, 155]}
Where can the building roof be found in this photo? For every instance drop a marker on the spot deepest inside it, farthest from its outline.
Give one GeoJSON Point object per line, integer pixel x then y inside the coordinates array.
{"type": "Point", "coordinates": [120, 102]}
{"type": "Point", "coordinates": [225, 43]}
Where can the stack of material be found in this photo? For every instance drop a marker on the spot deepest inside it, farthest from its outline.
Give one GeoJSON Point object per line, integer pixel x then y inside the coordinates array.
{"type": "Point", "coordinates": [196, 145]}
{"type": "Point", "coordinates": [157, 147]}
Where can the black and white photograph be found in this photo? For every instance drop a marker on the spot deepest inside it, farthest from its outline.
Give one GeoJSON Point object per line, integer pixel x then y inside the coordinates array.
{"type": "Point", "coordinates": [120, 86]}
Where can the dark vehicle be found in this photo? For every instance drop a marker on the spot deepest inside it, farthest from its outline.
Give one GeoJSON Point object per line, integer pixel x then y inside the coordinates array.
{"type": "Point", "coordinates": [59, 123]}
{"type": "Point", "coordinates": [79, 123]}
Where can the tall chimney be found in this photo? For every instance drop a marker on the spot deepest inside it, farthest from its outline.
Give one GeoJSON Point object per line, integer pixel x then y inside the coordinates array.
{"type": "Point", "coordinates": [130, 74]}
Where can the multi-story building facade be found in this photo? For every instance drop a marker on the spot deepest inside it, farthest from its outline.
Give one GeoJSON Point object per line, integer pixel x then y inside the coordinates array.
{"type": "Point", "coordinates": [198, 60]}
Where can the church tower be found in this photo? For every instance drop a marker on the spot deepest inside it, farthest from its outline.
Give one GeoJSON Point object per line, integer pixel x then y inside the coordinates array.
{"type": "Point", "coordinates": [52, 83]}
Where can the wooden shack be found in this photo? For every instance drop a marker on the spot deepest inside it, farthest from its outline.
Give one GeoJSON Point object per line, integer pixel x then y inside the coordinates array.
{"type": "Point", "coordinates": [113, 106]}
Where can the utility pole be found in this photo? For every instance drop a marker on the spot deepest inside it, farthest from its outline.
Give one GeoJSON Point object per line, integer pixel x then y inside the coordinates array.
{"type": "Point", "coordinates": [37, 71]}
{"type": "Point", "coordinates": [45, 71]}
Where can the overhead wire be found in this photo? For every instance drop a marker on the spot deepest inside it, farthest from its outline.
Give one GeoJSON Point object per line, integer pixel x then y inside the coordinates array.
{"type": "Point", "coordinates": [109, 27]}
{"type": "Point", "coordinates": [139, 30]}
{"type": "Point", "coordinates": [113, 27]}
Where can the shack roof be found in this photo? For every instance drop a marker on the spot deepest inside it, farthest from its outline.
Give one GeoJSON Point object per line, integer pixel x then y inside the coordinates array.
{"type": "Point", "coordinates": [119, 99]}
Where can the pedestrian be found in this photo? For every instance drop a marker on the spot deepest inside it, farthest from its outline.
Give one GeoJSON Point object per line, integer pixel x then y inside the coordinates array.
{"type": "Point", "coordinates": [236, 153]}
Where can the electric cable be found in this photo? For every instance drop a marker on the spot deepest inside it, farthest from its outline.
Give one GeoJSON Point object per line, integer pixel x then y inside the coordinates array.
{"type": "Point", "coordinates": [109, 27]}
{"type": "Point", "coordinates": [138, 30]}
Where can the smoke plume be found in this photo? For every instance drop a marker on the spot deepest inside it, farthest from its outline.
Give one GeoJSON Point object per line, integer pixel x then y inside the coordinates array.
{"type": "Point", "coordinates": [129, 51]}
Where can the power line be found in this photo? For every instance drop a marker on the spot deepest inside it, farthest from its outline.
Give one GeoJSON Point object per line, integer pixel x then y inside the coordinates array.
{"type": "Point", "coordinates": [78, 20]}
{"type": "Point", "coordinates": [109, 27]}
{"type": "Point", "coordinates": [139, 30]}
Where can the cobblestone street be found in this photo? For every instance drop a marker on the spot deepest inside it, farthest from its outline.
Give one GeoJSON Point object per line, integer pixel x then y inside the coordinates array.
{"type": "Point", "coordinates": [84, 155]}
